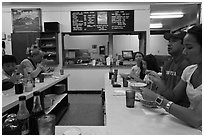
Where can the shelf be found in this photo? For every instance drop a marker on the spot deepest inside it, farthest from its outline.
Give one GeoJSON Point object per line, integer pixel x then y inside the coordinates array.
{"type": "Point", "coordinates": [56, 101]}
{"type": "Point", "coordinates": [48, 42]}
{"type": "Point", "coordinates": [47, 47]}
{"type": "Point", "coordinates": [47, 39]}
{"type": "Point", "coordinates": [48, 53]}
{"type": "Point", "coordinates": [103, 33]}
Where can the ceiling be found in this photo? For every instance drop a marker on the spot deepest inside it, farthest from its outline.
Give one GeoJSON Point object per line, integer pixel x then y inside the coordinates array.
{"type": "Point", "coordinates": [190, 10]}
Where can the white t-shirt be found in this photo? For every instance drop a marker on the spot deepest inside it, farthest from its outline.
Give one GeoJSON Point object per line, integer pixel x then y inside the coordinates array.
{"type": "Point", "coordinates": [194, 94]}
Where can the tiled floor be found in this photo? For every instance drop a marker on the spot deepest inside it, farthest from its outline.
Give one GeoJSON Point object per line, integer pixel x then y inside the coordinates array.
{"type": "Point", "coordinates": [84, 110]}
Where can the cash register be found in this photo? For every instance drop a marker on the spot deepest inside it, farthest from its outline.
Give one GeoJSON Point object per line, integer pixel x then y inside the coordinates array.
{"type": "Point", "coordinates": [128, 57]}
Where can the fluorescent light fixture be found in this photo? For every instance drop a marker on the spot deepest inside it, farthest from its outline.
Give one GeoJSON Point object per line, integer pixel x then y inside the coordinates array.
{"type": "Point", "coordinates": [156, 25]}
{"type": "Point", "coordinates": [166, 15]}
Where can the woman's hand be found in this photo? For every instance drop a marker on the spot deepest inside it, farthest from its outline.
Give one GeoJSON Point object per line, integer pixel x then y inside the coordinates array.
{"type": "Point", "coordinates": [149, 95]}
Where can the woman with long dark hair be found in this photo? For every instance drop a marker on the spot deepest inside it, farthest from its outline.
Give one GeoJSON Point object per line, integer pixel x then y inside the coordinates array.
{"type": "Point", "coordinates": [136, 70]}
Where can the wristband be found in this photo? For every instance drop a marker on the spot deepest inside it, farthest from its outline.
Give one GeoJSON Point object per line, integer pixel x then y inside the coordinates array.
{"type": "Point", "coordinates": [168, 105]}
{"type": "Point", "coordinates": [159, 100]}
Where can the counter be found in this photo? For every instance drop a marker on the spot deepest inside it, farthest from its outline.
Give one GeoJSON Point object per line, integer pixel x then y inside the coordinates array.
{"type": "Point", "coordinates": [10, 99]}
{"type": "Point", "coordinates": [139, 120]}
{"type": "Point", "coordinates": [89, 79]}
{"type": "Point", "coordinates": [85, 75]}
{"type": "Point", "coordinates": [84, 66]}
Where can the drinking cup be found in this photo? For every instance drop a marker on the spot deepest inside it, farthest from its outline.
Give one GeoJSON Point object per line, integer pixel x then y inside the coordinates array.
{"type": "Point", "coordinates": [61, 71]}
{"type": "Point", "coordinates": [130, 98]}
{"type": "Point", "coordinates": [19, 88]}
{"type": "Point", "coordinates": [115, 74]}
{"type": "Point", "coordinates": [112, 80]}
{"type": "Point", "coordinates": [125, 82]}
{"type": "Point", "coordinates": [41, 78]}
{"type": "Point", "coordinates": [116, 71]}
{"type": "Point", "coordinates": [46, 124]}
{"type": "Point", "coordinates": [110, 75]}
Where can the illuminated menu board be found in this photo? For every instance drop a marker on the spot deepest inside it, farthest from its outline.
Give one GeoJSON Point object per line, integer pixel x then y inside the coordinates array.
{"type": "Point", "coordinates": [102, 21]}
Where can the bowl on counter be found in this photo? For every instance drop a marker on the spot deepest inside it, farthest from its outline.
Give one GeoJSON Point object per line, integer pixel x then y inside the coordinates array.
{"type": "Point", "coordinates": [59, 88]}
{"type": "Point", "coordinates": [136, 85]}
{"type": "Point", "coordinates": [47, 74]}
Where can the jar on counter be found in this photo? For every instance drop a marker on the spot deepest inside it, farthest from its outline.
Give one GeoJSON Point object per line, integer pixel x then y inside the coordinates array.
{"type": "Point", "coordinates": [11, 126]}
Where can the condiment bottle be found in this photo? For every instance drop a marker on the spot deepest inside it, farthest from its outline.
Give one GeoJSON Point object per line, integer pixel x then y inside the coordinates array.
{"type": "Point", "coordinates": [23, 116]}
{"type": "Point", "coordinates": [29, 85]}
{"type": "Point", "coordinates": [37, 112]}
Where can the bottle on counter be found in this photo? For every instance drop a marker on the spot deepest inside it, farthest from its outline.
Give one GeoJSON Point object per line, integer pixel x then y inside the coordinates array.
{"type": "Point", "coordinates": [33, 82]}
{"type": "Point", "coordinates": [23, 116]}
{"type": "Point", "coordinates": [111, 72]}
{"type": "Point", "coordinates": [37, 112]}
{"type": "Point", "coordinates": [117, 60]}
{"type": "Point", "coordinates": [11, 126]}
{"type": "Point", "coordinates": [108, 61]}
{"type": "Point", "coordinates": [29, 84]}
{"type": "Point", "coordinates": [18, 84]}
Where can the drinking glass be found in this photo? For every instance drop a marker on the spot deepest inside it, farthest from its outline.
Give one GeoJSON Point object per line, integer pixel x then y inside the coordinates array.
{"type": "Point", "coordinates": [46, 124]}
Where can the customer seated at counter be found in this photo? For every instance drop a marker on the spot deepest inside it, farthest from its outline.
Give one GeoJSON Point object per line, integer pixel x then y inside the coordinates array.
{"type": "Point", "coordinates": [136, 70]}
{"type": "Point", "coordinates": [190, 83]}
{"type": "Point", "coordinates": [148, 62]}
{"type": "Point", "coordinates": [34, 64]}
{"type": "Point", "coordinates": [8, 71]}
{"type": "Point", "coordinates": [173, 68]}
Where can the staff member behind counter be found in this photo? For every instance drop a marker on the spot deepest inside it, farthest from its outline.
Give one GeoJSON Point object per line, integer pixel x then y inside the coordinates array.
{"type": "Point", "coordinates": [34, 64]}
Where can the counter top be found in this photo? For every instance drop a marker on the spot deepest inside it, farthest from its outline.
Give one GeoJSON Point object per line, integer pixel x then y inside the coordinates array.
{"type": "Point", "coordinates": [139, 120]}
{"type": "Point", "coordinates": [10, 99]}
{"type": "Point", "coordinates": [83, 130]}
{"type": "Point", "coordinates": [84, 66]}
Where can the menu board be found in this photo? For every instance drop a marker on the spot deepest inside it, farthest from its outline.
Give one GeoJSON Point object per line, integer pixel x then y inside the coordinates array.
{"type": "Point", "coordinates": [102, 21]}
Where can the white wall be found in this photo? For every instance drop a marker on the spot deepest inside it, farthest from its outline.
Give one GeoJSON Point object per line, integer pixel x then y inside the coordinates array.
{"type": "Point", "coordinates": [158, 45]}
{"type": "Point", "coordinates": [7, 29]}
{"type": "Point", "coordinates": [125, 42]}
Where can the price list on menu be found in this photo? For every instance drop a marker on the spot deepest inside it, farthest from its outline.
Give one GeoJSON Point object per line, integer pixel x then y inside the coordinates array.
{"type": "Point", "coordinates": [102, 21]}
{"type": "Point", "coordinates": [122, 20]}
